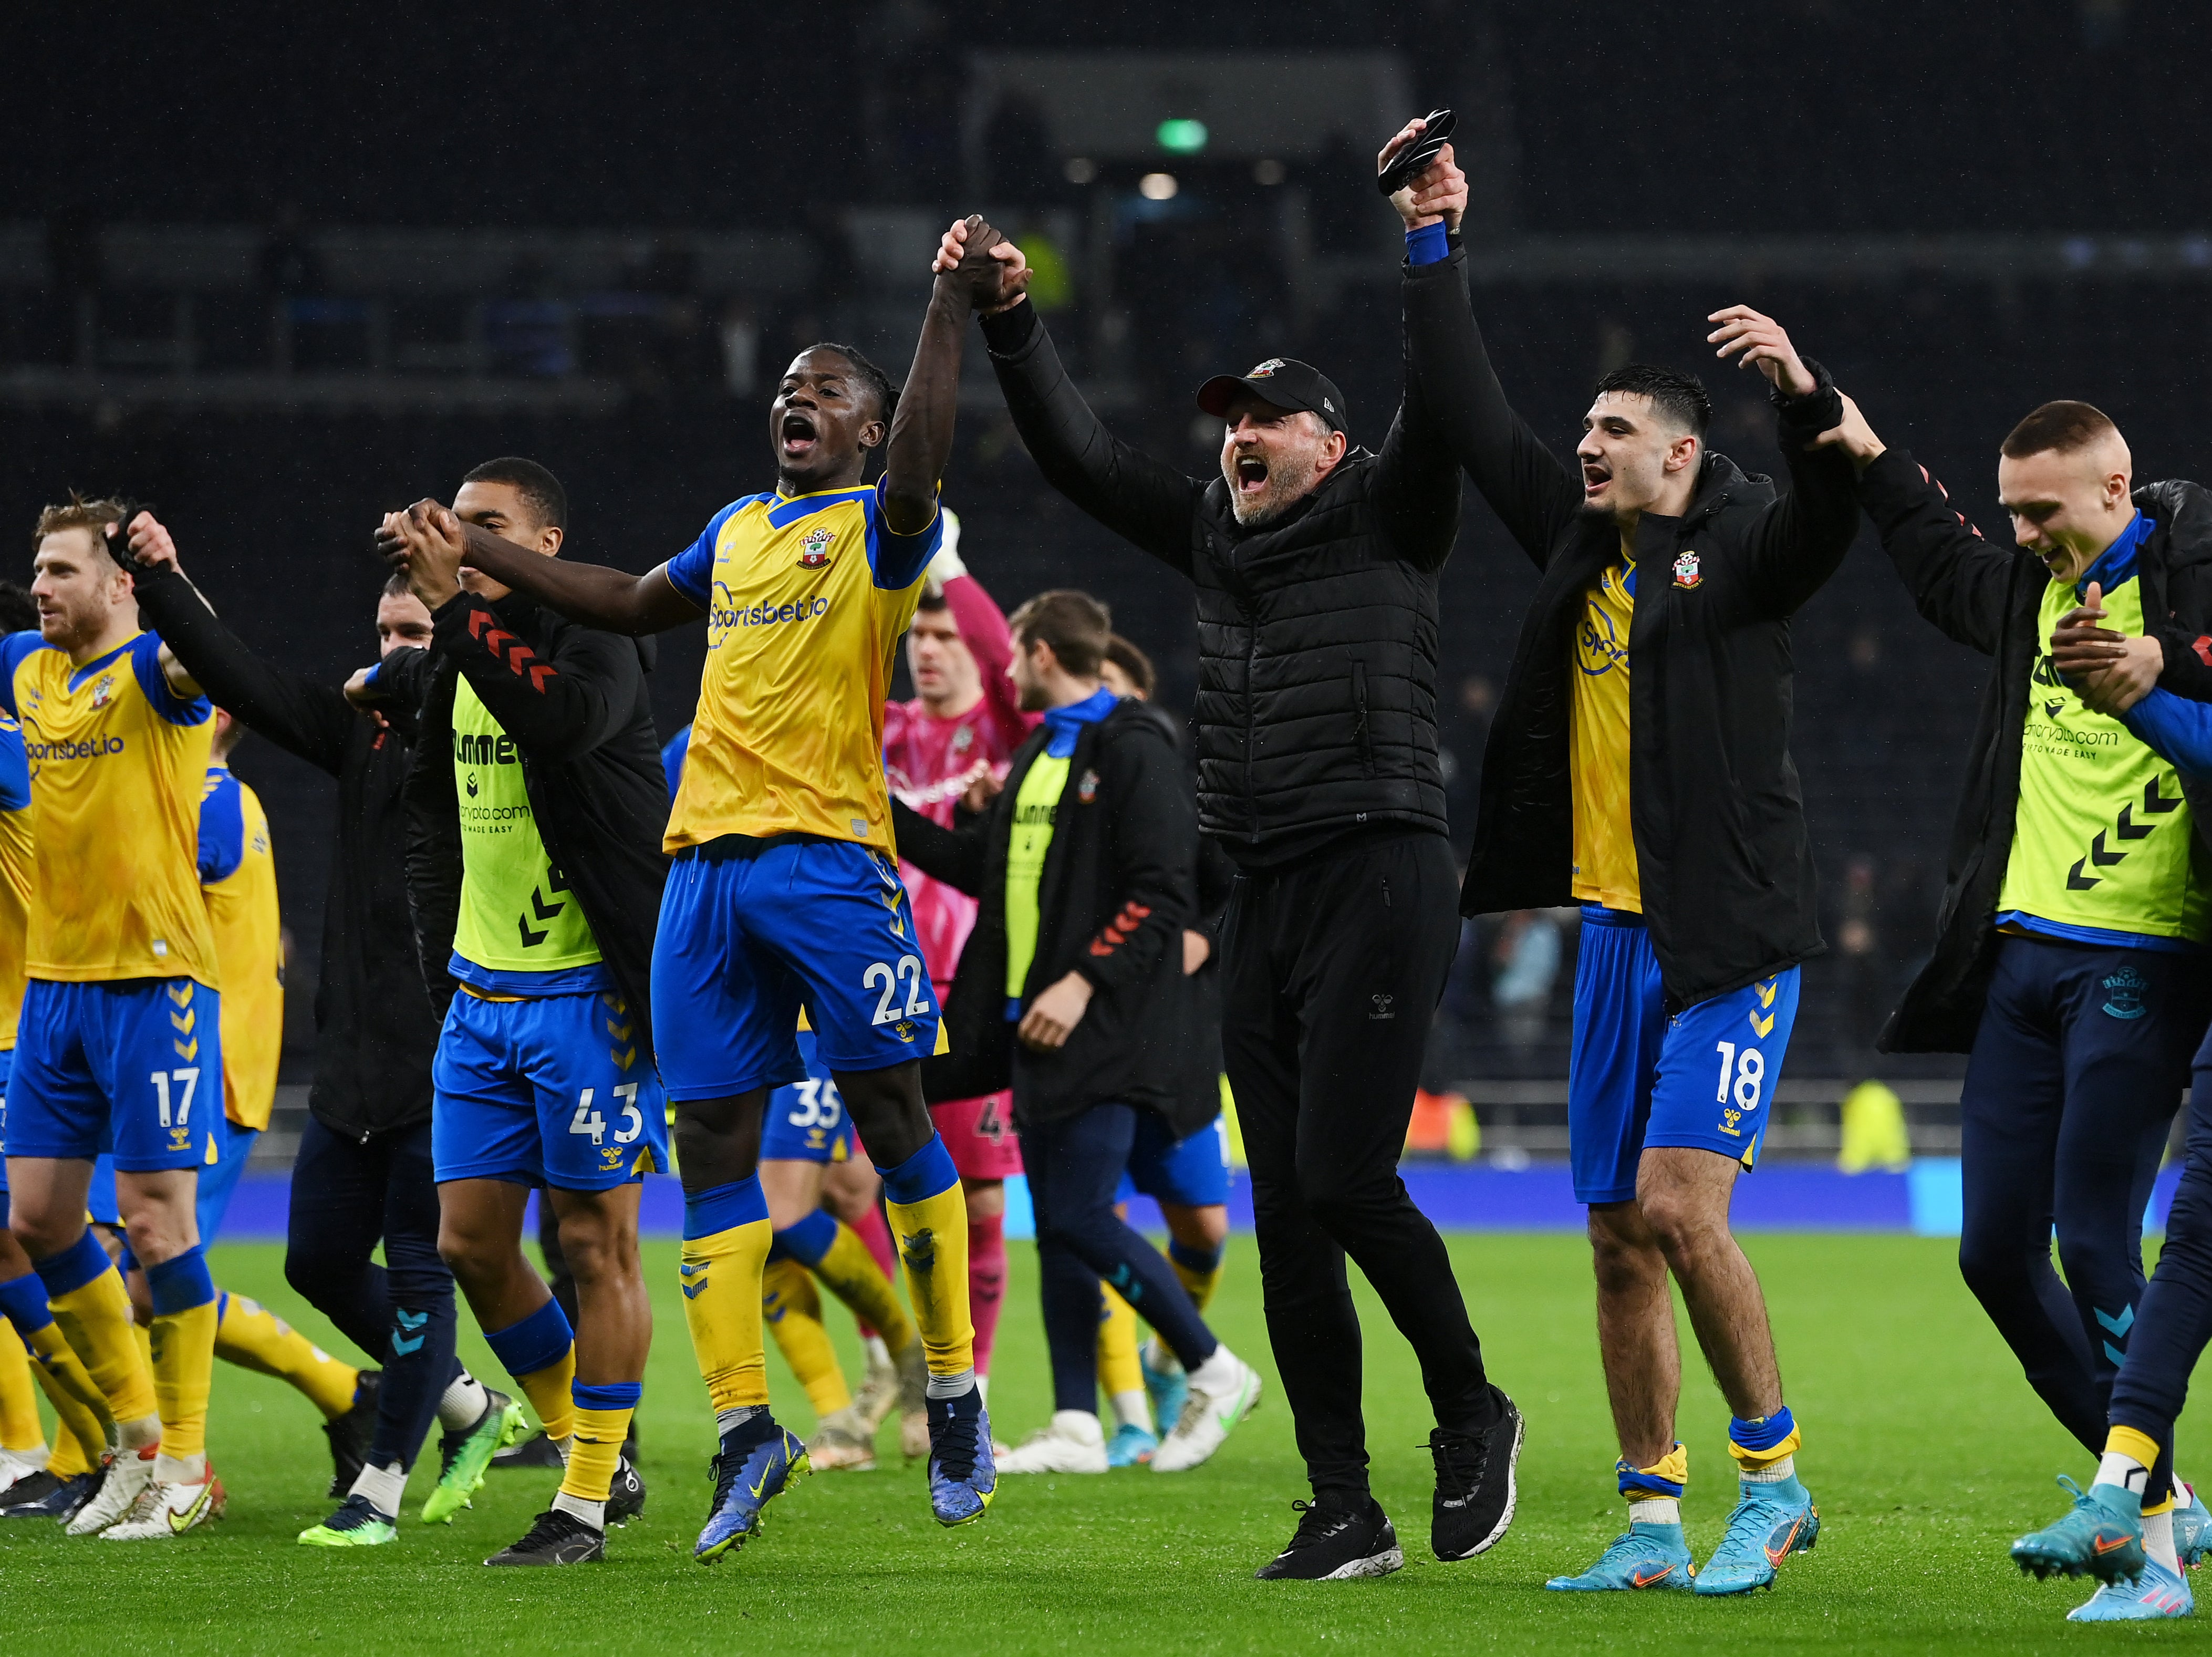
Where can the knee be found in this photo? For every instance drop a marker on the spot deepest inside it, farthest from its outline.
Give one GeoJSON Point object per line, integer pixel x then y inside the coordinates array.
{"type": "Point", "coordinates": [1624, 1253]}
{"type": "Point", "coordinates": [1678, 1221]}
{"type": "Point", "coordinates": [1990, 1264]}
{"type": "Point", "coordinates": [598, 1247]}
{"type": "Point", "coordinates": [317, 1275]}
{"type": "Point", "coordinates": [469, 1251]}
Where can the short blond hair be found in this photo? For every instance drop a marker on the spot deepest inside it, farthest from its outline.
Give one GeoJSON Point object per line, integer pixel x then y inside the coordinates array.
{"type": "Point", "coordinates": [80, 514]}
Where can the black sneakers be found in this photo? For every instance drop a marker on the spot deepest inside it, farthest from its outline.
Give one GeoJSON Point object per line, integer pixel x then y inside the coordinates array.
{"type": "Point", "coordinates": [1332, 1544]}
{"type": "Point", "coordinates": [1474, 1484]}
{"type": "Point", "coordinates": [536, 1451]}
{"type": "Point", "coordinates": [349, 1434]}
{"type": "Point", "coordinates": [626, 1495]}
{"type": "Point", "coordinates": [558, 1539]}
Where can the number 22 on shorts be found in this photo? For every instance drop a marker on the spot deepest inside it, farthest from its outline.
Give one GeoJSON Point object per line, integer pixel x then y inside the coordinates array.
{"type": "Point", "coordinates": [909, 970]}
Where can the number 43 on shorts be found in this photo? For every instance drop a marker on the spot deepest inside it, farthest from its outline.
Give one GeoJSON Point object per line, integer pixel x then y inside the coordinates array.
{"type": "Point", "coordinates": [589, 1121]}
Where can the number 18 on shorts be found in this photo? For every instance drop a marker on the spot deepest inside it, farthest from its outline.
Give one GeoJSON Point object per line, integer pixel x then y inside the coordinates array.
{"type": "Point", "coordinates": [1638, 1079]}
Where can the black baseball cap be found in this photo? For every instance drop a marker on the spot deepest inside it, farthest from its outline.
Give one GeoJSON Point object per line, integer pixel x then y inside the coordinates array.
{"type": "Point", "coordinates": [1286, 382]}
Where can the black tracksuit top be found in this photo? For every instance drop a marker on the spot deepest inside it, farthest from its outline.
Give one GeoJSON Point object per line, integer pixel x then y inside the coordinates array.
{"type": "Point", "coordinates": [1988, 598]}
{"type": "Point", "coordinates": [1723, 857]}
{"type": "Point", "coordinates": [574, 700]}
{"type": "Point", "coordinates": [1120, 883]}
{"type": "Point", "coordinates": [374, 1027]}
{"type": "Point", "coordinates": [1317, 631]}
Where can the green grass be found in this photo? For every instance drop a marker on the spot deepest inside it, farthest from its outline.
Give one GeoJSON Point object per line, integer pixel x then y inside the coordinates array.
{"type": "Point", "coordinates": [1924, 1447]}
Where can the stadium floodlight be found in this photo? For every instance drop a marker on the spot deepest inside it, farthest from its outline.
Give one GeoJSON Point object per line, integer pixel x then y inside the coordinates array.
{"type": "Point", "coordinates": [1158, 186]}
{"type": "Point", "coordinates": [1182, 137]}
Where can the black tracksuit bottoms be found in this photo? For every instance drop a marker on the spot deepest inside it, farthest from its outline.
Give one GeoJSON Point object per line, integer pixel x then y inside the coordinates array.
{"type": "Point", "coordinates": [2076, 1071]}
{"type": "Point", "coordinates": [1332, 969]}
{"type": "Point", "coordinates": [349, 1195]}
{"type": "Point", "coordinates": [2173, 1319]}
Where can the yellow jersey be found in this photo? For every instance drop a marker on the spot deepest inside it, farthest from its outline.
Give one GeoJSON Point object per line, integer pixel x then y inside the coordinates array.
{"type": "Point", "coordinates": [238, 879]}
{"type": "Point", "coordinates": [117, 760]}
{"type": "Point", "coordinates": [805, 598]}
{"type": "Point", "coordinates": [14, 874]}
{"type": "Point", "coordinates": [1604, 844]}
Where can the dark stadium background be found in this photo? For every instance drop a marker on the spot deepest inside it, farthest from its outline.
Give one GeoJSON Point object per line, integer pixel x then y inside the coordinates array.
{"type": "Point", "coordinates": [278, 269]}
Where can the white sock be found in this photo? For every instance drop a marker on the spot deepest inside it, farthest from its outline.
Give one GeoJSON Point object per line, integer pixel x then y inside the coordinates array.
{"type": "Point", "coordinates": [878, 1354]}
{"type": "Point", "coordinates": [1079, 1424]}
{"type": "Point", "coordinates": [1134, 1410]}
{"type": "Point", "coordinates": [2130, 1474]}
{"type": "Point", "coordinates": [1218, 1373]}
{"type": "Point", "coordinates": [951, 1387]}
{"type": "Point", "coordinates": [462, 1404]}
{"type": "Point", "coordinates": [29, 1461]}
{"type": "Point", "coordinates": [386, 1487]}
{"type": "Point", "coordinates": [593, 1514]}
{"type": "Point", "coordinates": [728, 1421]}
{"type": "Point", "coordinates": [1655, 1510]}
{"type": "Point", "coordinates": [2158, 1540]}
{"type": "Point", "coordinates": [179, 1470]}
{"type": "Point", "coordinates": [1774, 1473]}
{"type": "Point", "coordinates": [984, 1387]}
{"type": "Point", "coordinates": [1159, 1360]}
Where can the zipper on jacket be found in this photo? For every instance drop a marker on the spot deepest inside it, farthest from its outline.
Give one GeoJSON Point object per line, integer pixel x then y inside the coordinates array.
{"type": "Point", "coordinates": [1362, 733]}
{"type": "Point", "coordinates": [1386, 891]}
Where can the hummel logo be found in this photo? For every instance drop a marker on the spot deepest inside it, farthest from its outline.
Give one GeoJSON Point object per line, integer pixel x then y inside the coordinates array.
{"type": "Point", "coordinates": [1382, 1006]}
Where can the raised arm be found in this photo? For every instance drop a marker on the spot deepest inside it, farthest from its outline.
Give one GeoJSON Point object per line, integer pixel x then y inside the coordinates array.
{"type": "Point", "coordinates": [311, 720]}
{"type": "Point", "coordinates": [558, 708]}
{"type": "Point", "coordinates": [921, 428]}
{"type": "Point", "coordinates": [1801, 537]}
{"type": "Point", "coordinates": [1417, 491]}
{"type": "Point", "coordinates": [1459, 396]}
{"type": "Point", "coordinates": [1958, 580]}
{"type": "Point", "coordinates": [1146, 503]}
{"type": "Point", "coordinates": [983, 631]}
{"type": "Point", "coordinates": [593, 594]}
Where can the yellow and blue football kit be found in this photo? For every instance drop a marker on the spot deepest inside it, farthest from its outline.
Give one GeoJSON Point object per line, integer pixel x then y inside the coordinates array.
{"type": "Point", "coordinates": [121, 1016]}
{"type": "Point", "coordinates": [539, 1077]}
{"type": "Point", "coordinates": [1637, 1078]}
{"type": "Point", "coordinates": [786, 894]}
{"type": "Point", "coordinates": [15, 869]}
{"type": "Point", "coordinates": [120, 1043]}
{"type": "Point", "coordinates": [238, 880]}
{"type": "Point", "coordinates": [786, 889]}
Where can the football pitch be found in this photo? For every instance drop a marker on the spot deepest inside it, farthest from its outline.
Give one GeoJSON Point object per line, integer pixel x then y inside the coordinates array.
{"type": "Point", "coordinates": [1924, 1449]}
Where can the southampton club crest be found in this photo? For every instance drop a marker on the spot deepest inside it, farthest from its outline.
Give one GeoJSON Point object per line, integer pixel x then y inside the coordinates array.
{"type": "Point", "coordinates": [814, 550]}
{"type": "Point", "coordinates": [1686, 570]}
{"type": "Point", "coordinates": [104, 691]}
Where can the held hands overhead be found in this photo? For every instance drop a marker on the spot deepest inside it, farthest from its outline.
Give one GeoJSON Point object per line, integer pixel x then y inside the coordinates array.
{"type": "Point", "coordinates": [983, 266]}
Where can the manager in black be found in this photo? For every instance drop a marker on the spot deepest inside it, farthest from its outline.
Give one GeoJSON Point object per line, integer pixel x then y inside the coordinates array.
{"type": "Point", "coordinates": [1316, 564]}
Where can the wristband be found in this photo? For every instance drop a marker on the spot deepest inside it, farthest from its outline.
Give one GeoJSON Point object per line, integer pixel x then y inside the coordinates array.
{"type": "Point", "coordinates": [1427, 245]}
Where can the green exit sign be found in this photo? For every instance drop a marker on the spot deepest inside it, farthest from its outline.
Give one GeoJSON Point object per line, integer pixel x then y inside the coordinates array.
{"type": "Point", "coordinates": [1183, 138]}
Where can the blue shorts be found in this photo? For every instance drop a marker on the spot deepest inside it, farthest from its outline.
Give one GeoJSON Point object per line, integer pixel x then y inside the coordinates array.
{"type": "Point", "coordinates": [1637, 1078]}
{"type": "Point", "coordinates": [745, 941]}
{"type": "Point", "coordinates": [545, 1092]}
{"type": "Point", "coordinates": [230, 1147]}
{"type": "Point", "coordinates": [133, 1066]}
{"type": "Point", "coordinates": [806, 1122]}
{"type": "Point", "coordinates": [6, 1063]}
{"type": "Point", "coordinates": [1191, 1172]}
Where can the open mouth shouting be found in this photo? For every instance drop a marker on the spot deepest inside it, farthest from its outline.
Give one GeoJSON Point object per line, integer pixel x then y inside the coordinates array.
{"type": "Point", "coordinates": [1595, 478]}
{"type": "Point", "coordinates": [799, 435]}
{"type": "Point", "coordinates": [1251, 476]}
